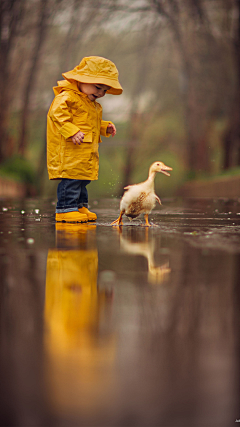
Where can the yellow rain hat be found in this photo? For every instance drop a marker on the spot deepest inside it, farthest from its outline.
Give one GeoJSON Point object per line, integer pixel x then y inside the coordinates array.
{"type": "Point", "coordinates": [95, 69]}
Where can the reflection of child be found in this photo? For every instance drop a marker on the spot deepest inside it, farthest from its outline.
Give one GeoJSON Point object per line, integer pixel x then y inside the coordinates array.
{"type": "Point", "coordinates": [74, 125]}
{"type": "Point", "coordinates": [81, 352]}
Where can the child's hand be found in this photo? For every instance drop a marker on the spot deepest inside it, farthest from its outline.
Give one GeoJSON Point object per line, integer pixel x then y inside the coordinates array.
{"type": "Point", "coordinates": [111, 129]}
{"type": "Point", "coordinates": [78, 137]}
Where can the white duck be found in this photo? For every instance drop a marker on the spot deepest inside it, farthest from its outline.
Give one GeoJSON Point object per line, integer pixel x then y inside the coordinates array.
{"type": "Point", "coordinates": [141, 198]}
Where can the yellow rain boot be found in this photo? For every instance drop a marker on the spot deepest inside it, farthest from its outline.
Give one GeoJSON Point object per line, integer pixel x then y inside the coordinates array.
{"type": "Point", "coordinates": [71, 217]}
{"type": "Point", "coordinates": [90, 215]}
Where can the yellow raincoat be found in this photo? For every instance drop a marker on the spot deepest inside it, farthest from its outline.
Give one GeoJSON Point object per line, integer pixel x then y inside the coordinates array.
{"type": "Point", "coordinates": [72, 111]}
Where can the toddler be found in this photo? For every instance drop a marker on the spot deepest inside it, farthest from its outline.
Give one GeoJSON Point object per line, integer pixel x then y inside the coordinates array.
{"type": "Point", "coordinates": [74, 126]}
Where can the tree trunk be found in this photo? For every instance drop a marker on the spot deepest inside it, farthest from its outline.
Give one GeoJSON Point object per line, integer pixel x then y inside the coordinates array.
{"type": "Point", "coordinates": [231, 141]}
{"type": "Point", "coordinates": [4, 100]}
{"type": "Point", "coordinates": [31, 76]}
{"type": "Point", "coordinates": [11, 12]}
{"type": "Point", "coordinates": [136, 123]}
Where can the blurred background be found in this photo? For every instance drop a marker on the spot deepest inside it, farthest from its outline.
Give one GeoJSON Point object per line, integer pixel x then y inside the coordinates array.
{"type": "Point", "coordinates": [179, 65]}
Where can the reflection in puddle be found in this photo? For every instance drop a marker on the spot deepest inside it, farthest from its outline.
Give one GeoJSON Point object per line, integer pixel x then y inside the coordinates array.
{"type": "Point", "coordinates": [117, 350]}
{"type": "Point", "coordinates": [80, 356]}
{"type": "Point", "coordinates": [157, 274]}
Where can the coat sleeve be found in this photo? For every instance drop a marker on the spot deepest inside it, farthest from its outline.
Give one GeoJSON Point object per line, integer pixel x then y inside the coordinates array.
{"type": "Point", "coordinates": [104, 125]}
{"type": "Point", "coordinates": [61, 115]}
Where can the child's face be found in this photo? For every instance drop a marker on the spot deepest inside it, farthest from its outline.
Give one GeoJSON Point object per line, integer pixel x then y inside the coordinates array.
{"type": "Point", "coordinates": [93, 91]}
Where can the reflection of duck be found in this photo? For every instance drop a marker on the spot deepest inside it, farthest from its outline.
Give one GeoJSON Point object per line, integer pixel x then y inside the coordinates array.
{"type": "Point", "coordinates": [79, 356]}
{"type": "Point", "coordinates": [156, 274]}
{"type": "Point", "coordinates": [141, 198]}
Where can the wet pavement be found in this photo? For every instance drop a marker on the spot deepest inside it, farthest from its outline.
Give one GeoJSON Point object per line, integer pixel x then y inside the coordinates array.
{"type": "Point", "coordinates": [132, 326]}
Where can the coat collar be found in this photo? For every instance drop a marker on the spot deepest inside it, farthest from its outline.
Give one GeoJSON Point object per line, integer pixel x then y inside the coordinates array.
{"type": "Point", "coordinates": [64, 85]}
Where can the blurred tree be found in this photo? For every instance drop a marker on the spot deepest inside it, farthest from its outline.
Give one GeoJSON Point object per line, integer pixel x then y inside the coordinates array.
{"type": "Point", "coordinates": [202, 33]}
{"type": "Point", "coordinates": [206, 34]}
{"type": "Point", "coordinates": [188, 21]}
{"type": "Point", "coordinates": [177, 63]}
{"type": "Point", "coordinates": [84, 15]}
{"type": "Point", "coordinates": [40, 35]}
{"type": "Point", "coordinates": [136, 122]}
{"type": "Point", "coordinates": [11, 16]}
{"type": "Point", "coordinates": [231, 142]}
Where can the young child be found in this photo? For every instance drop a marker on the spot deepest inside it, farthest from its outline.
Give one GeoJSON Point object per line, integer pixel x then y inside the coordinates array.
{"type": "Point", "coordinates": [74, 126]}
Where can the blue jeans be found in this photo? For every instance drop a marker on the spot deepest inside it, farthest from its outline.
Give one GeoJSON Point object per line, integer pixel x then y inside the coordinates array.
{"type": "Point", "coordinates": [72, 195]}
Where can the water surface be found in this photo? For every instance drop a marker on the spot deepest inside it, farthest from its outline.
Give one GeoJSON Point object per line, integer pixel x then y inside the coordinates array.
{"type": "Point", "coordinates": [120, 326]}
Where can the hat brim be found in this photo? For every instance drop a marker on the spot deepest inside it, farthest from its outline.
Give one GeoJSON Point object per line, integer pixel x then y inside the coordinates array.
{"type": "Point", "coordinates": [115, 89]}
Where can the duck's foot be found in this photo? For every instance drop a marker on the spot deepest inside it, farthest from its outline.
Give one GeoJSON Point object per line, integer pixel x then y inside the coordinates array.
{"type": "Point", "coordinates": [147, 224]}
{"type": "Point", "coordinates": [119, 220]}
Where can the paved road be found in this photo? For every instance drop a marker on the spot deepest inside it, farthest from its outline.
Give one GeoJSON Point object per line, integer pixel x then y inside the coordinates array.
{"type": "Point", "coordinates": [130, 326]}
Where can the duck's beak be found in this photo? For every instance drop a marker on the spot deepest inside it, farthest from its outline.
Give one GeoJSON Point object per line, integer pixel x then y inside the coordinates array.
{"type": "Point", "coordinates": [165, 169]}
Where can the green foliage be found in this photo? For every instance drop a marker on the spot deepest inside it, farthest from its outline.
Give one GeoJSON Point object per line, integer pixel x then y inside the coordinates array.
{"type": "Point", "coordinates": [19, 169]}
{"type": "Point", "coordinates": [163, 139]}
{"type": "Point", "coordinates": [224, 174]}
{"type": "Point", "coordinates": [109, 183]}
{"type": "Point", "coordinates": [37, 138]}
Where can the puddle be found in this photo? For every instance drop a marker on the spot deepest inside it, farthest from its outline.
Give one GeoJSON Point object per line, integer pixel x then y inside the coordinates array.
{"type": "Point", "coordinates": [120, 326]}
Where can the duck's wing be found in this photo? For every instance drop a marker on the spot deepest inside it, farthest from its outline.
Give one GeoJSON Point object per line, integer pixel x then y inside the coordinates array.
{"type": "Point", "coordinates": [129, 198]}
{"type": "Point", "coordinates": [128, 186]}
{"type": "Point", "coordinates": [135, 202]}
{"type": "Point", "coordinates": [158, 200]}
